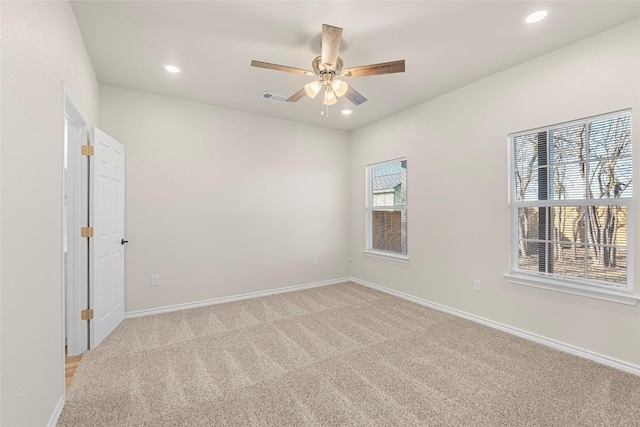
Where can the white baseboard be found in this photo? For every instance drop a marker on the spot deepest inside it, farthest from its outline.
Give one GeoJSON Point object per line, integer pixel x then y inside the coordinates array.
{"type": "Point", "coordinates": [568, 348]}
{"type": "Point", "coordinates": [203, 303]}
{"type": "Point", "coordinates": [53, 420]}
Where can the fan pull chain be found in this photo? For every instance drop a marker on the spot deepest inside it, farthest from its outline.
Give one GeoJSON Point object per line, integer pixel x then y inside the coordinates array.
{"type": "Point", "coordinates": [323, 104]}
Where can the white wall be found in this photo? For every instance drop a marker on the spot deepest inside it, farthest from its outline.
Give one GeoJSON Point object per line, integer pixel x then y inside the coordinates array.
{"type": "Point", "coordinates": [41, 45]}
{"type": "Point", "coordinates": [221, 202]}
{"type": "Point", "coordinates": [457, 182]}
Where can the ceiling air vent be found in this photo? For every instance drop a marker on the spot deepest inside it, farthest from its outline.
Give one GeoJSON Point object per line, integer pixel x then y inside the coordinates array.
{"type": "Point", "coordinates": [274, 97]}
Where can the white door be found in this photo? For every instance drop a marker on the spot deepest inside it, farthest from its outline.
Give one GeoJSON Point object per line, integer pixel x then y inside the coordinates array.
{"type": "Point", "coordinates": [106, 282]}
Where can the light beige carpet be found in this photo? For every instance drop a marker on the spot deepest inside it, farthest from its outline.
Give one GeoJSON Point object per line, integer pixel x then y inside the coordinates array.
{"type": "Point", "coordinates": [341, 355]}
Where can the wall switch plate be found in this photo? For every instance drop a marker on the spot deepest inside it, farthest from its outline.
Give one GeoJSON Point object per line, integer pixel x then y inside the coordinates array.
{"type": "Point", "coordinates": [315, 261]}
{"type": "Point", "coordinates": [155, 279]}
{"type": "Point", "coordinates": [476, 285]}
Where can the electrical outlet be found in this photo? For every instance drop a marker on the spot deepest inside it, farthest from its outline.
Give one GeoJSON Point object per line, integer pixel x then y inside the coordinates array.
{"type": "Point", "coordinates": [476, 285]}
{"type": "Point", "coordinates": [155, 279]}
{"type": "Point", "coordinates": [315, 261]}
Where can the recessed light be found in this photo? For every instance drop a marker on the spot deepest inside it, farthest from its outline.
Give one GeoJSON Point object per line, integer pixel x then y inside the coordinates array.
{"type": "Point", "coordinates": [172, 68]}
{"type": "Point", "coordinates": [536, 16]}
{"type": "Point", "coordinates": [346, 112]}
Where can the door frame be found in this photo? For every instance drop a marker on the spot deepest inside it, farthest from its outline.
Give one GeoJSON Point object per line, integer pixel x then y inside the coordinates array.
{"type": "Point", "coordinates": [75, 290]}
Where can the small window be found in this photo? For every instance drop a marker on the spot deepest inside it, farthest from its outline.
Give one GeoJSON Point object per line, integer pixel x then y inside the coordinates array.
{"type": "Point", "coordinates": [571, 201]}
{"type": "Point", "coordinates": [387, 209]}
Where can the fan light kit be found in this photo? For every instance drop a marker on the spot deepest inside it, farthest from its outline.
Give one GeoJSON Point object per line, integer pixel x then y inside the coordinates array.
{"type": "Point", "coordinates": [328, 68]}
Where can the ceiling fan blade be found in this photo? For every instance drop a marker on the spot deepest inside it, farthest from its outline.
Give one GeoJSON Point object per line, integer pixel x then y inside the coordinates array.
{"type": "Point", "coordinates": [375, 69]}
{"type": "Point", "coordinates": [331, 38]}
{"type": "Point", "coordinates": [277, 67]}
{"type": "Point", "coordinates": [354, 96]}
{"type": "Point", "coordinates": [296, 96]}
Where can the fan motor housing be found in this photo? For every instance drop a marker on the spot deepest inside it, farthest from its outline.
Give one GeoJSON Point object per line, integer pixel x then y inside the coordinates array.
{"type": "Point", "coordinates": [319, 68]}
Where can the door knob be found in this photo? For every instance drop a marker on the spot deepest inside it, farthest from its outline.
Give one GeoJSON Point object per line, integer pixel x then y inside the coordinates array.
{"type": "Point", "coordinates": [122, 242]}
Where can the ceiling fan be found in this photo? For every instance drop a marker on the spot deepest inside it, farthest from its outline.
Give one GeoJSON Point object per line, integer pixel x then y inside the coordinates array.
{"type": "Point", "coordinates": [329, 68]}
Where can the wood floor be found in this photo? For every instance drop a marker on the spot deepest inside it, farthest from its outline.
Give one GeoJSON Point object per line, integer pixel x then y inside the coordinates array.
{"type": "Point", "coordinates": [70, 366]}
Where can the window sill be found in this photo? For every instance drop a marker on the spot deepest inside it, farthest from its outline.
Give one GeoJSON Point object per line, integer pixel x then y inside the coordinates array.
{"type": "Point", "coordinates": [620, 297]}
{"type": "Point", "coordinates": [387, 255]}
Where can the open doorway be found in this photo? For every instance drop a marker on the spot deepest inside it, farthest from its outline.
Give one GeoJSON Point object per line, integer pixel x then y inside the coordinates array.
{"type": "Point", "coordinates": [93, 188]}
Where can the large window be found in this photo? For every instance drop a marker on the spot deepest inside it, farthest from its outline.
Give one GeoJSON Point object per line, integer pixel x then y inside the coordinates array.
{"type": "Point", "coordinates": [571, 201]}
{"type": "Point", "coordinates": [387, 209]}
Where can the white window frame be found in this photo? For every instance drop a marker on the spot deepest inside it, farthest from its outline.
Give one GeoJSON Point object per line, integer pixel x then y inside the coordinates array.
{"type": "Point", "coordinates": [369, 251]}
{"type": "Point", "coordinates": [591, 289]}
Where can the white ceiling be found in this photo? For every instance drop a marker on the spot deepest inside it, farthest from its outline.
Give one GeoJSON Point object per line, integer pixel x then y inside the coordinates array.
{"type": "Point", "coordinates": [446, 45]}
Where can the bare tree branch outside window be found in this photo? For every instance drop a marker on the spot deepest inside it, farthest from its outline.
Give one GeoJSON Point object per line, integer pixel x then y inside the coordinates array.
{"type": "Point", "coordinates": [573, 185]}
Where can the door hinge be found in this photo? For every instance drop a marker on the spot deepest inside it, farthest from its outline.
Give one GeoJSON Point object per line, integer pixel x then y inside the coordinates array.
{"type": "Point", "coordinates": [86, 232]}
{"type": "Point", "coordinates": [86, 314]}
{"type": "Point", "coordinates": [87, 150]}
